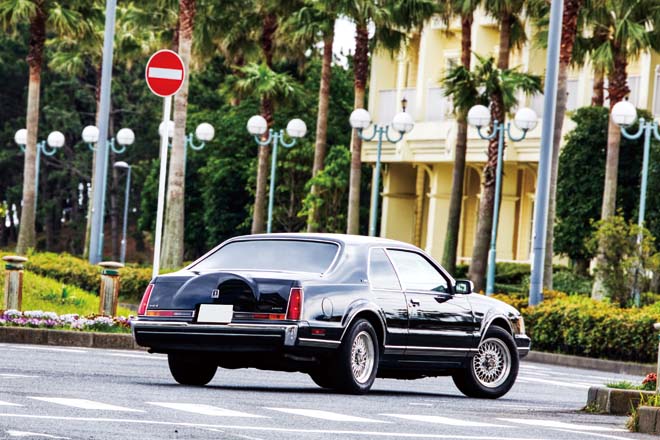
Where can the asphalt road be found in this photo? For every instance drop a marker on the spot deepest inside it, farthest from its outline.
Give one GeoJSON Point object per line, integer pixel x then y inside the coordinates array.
{"type": "Point", "coordinates": [71, 393]}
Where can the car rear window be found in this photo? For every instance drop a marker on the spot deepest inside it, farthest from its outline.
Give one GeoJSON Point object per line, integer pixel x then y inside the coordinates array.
{"type": "Point", "coordinates": [278, 255]}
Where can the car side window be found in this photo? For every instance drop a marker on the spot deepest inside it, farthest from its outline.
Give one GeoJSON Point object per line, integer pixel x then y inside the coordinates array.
{"type": "Point", "coordinates": [381, 272]}
{"type": "Point", "coordinates": [416, 272]}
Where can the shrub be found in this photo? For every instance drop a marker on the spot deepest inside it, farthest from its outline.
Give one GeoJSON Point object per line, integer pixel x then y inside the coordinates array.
{"type": "Point", "coordinates": [75, 271]}
{"type": "Point", "coordinates": [570, 282]}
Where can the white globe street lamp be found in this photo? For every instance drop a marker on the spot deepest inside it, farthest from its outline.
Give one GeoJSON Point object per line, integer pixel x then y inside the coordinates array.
{"type": "Point", "coordinates": [402, 123]}
{"type": "Point", "coordinates": [257, 126]}
{"type": "Point", "coordinates": [55, 141]}
{"type": "Point", "coordinates": [624, 113]}
{"type": "Point", "coordinates": [479, 116]}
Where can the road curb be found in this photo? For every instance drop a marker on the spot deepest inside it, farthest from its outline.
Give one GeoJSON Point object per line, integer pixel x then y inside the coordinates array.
{"type": "Point", "coordinates": [566, 360]}
{"type": "Point", "coordinates": [68, 338]}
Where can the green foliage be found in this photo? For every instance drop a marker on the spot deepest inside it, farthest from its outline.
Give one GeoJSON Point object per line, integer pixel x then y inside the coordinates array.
{"type": "Point", "coordinates": [48, 294]}
{"type": "Point", "coordinates": [623, 385]}
{"type": "Point", "coordinates": [581, 326]}
{"type": "Point", "coordinates": [72, 271]}
{"type": "Point", "coordinates": [581, 177]}
{"type": "Point", "coordinates": [569, 282]}
{"type": "Point", "coordinates": [332, 197]}
{"type": "Point", "coordinates": [622, 258]}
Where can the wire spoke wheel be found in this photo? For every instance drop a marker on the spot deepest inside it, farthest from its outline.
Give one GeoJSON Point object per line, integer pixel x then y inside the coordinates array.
{"type": "Point", "coordinates": [362, 357]}
{"type": "Point", "coordinates": [492, 363]}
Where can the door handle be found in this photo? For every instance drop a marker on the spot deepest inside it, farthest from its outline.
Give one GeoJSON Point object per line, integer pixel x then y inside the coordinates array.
{"type": "Point", "coordinates": [414, 303]}
{"type": "Point", "coordinates": [442, 298]}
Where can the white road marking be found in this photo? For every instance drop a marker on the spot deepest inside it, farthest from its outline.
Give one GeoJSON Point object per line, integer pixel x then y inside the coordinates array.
{"type": "Point", "coordinates": [84, 404]}
{"type": "Point", "coordinates": [33, 434]}
{"type": "Point", "coordinates": [420, 404]}
{"type": "Point", "coordinates": [14, 376]}
{"type": "Point", "coordinates": [163, 73]}
{"type": "Point", "coordinates": [137, 356]}
{"type": "Point", "coordinates": [61, 350]}
{"type": "Point", "coordinates": [325, 415]}
{"type": "Point", "coordinates": [568, 376]}
{"type": "Point", "coordinates": [269, 429]}
{"type": "Point", "coordinates": [555, 382]}
{"type": "Point", "coordinates": [206, 410]}
{"type": "Point", "coordinates": [560, 425]}
{"type": "Point", "coordinates": [8, 404]}
{"type": "Point", "coordinates": [445, 421]}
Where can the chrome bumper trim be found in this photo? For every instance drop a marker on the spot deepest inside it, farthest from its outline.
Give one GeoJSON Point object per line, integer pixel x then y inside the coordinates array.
{"type": "Point", "coordinates": [290, 331]}
{"type": "Point", "coordinates": [309, 342]}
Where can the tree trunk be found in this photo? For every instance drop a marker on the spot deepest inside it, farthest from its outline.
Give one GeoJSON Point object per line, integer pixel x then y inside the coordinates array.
{"type": "Point", "coordinates": [173, 234]}
{"type": "Point", "coordinates": [361, 72]}
{"type": "Point", "coordinates": [598, 97]}
{"type": "Point", "coordinates": [27, 233]}
{"type": "Point", "coordinates": [259, 215]}
{"type": "Point", "coordinates": [458, 175]}
{"type": "Point", "coordinates": [321, 124]}
{"type": "Point", "coordinates": [569, 29]}
{"type": "Point", "coordinates": [479, 261]}
{"type": "Point", "coordinates": [269, 27]}
{"type": "Point", "coordinates": [618, 89]}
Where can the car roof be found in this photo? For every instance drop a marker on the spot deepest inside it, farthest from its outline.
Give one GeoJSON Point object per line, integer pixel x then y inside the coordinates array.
{"type": "Point", "coordinates": [346, 239]}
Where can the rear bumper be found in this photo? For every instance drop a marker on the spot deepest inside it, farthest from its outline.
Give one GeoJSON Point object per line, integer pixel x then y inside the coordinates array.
{"type": "Point", "coordinates": [173, 335]}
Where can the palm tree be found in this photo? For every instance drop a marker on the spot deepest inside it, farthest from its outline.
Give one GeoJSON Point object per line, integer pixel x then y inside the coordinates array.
{"type": "Point", "coordinates": [259, 80]}
{"type": "Point", "coordinates": [172, 253]}
{"type": "Point", "coordinates": [40, 15]}
{"type": "Point", "coordinates": [453, 88]}
{"type": "Point", "coordinates": [317, 21]}
{"type": "Point", "coordinates": [394, 21]}
{"type": "Point", "coordinates": [512, 34]}
{"type": "Point", "coordinates": [500, 87]}
{"type": "Point", "coordinates": [632, 27]}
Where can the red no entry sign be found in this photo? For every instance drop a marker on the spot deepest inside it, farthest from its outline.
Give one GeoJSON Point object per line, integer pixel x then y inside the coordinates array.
{"type": "Point", "coordinates": [165, 73]}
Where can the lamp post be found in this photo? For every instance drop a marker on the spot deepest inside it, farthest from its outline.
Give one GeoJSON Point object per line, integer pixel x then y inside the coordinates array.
{"type": "Point", "coordinates": [479, 116]}
{"type": "Point", "coordinates": [204, 132]}
{"type": "Point", "coordinates": [624, 114]}
{"type": "Point", "coordinates": [125, 137]}
{"type": "Point", "coordinates": [127, 167]}
{"type": "Point", "coordinates": [55, 141]}
{"type": "Point", "coordinates": [402, 123]}
{"type": "Point", "coordinates": [257, 127]}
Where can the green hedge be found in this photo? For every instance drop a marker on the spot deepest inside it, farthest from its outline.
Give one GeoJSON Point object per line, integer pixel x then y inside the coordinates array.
{"type": "Point", "coordinates": [68, 269]}
{"type": "Point", "coordinates": [580, 326]}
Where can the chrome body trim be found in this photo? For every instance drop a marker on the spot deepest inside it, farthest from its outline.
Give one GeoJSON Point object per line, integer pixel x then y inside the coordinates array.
{"type": "Point", "coordinates": [310, 342]}
{"type": "Point", "coordinates": [486, 325]}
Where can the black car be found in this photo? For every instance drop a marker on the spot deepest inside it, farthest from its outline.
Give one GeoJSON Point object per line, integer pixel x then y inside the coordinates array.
{"type": "Point", "coordinates": [343, 309]}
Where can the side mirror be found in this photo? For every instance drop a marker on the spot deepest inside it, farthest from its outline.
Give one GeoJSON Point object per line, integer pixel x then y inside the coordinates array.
{"type": "Point", "coordinates": [464, 286]}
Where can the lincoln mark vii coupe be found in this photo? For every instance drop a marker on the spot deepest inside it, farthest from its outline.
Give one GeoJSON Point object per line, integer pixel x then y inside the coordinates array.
{"type": "Point", "coordinates": [343, 309]}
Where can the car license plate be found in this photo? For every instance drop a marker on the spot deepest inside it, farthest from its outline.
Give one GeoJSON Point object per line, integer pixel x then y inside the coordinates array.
{"type": "Point", "coordinates": [215, 313]}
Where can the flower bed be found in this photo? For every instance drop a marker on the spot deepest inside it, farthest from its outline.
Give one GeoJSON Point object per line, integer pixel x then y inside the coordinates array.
{"type": "Point", "coordinates": [72, 321]}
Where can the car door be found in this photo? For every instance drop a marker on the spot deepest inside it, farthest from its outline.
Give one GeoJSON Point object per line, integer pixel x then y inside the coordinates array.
{"type": "Point", "coordinates": [440, 323]}
{"type": "Point", "coordinates": [386, 288]}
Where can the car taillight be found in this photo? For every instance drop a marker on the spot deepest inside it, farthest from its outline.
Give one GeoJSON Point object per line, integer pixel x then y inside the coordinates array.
{"type": "Point", "coordinates": [294, 310]}
{"type": "Point", "coordinates": [145, 300]}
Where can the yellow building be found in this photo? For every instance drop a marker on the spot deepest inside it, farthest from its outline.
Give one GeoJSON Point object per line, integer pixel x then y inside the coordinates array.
{"type": "Point", "coordinates": [417, 172]}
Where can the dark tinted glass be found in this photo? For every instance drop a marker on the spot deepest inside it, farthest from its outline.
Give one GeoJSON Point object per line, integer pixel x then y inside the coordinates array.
{"type": "Point", "coordinates": [416, 272]}
{"type": "Point", "coordinates": [381, 272]}
{"type": "Point", "coordinates": [280, 255]}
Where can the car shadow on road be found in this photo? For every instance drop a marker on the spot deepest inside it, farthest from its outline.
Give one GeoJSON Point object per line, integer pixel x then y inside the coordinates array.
{"type": "Point", "coordinates": [304, 390]}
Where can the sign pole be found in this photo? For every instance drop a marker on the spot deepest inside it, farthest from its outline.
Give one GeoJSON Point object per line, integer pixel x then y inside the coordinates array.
{"type": "Point", "coordinates": [167, 107]}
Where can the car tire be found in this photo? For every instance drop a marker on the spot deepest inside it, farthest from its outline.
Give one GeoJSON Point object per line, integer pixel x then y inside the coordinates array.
{"type": "Point", "coordinates": [191, 369]}
{"type": "Point", "coordinates": [492, 371]}
{"type": "Point", "coordinates": [356, 363]}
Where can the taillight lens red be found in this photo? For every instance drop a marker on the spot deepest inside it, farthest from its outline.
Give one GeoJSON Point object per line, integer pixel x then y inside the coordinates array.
{"type": "Point", "coordinates": [294, 310]}
{"type": "Point", "coordinates": [142, 310]}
